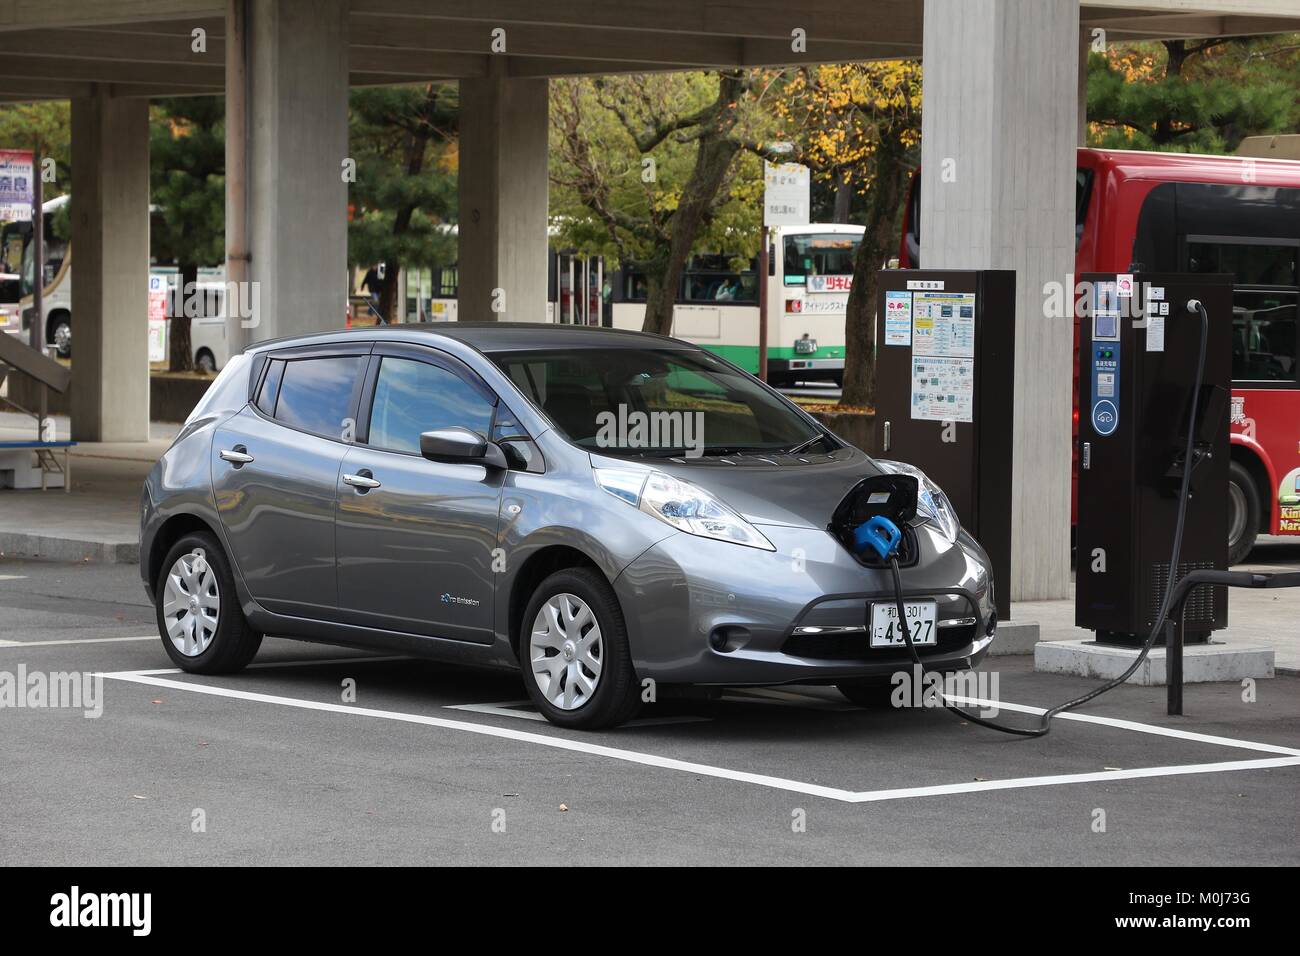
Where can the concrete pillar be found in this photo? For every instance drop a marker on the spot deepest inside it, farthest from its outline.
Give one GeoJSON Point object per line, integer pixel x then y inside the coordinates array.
{"type": "Point", "coordinates": [109, 399]}
{"type": "Point", "coordinates": [998, 168]}
{"type": "Point", "coordinates": [297, 142]}
{"type": "Point", "coordinates": [503, 194]}
{"type": "Point", "coordinates": [1085, 49]}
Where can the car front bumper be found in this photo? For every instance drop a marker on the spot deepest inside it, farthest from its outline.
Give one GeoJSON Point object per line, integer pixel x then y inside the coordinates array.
{"type": "Point", "coordinates": [700, 611]}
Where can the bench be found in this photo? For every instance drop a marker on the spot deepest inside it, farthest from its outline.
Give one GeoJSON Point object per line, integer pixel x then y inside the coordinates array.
{"type": "Point", "coordinates": [17, 469]}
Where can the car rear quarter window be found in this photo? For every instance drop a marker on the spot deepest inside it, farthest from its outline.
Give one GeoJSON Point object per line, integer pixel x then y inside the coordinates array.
{"type": "Point", "coordinates": [316, 394]}
{"type": "Point", "coordinates": [270, 387]}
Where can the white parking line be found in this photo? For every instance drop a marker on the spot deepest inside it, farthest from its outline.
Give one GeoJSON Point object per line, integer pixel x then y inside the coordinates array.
{"type": "Point", "coordinates": [1132, 725]}
{"type": "Point", "coordinates": [79, 640]}
{"type": "Point", "coordinates": [740, 776]}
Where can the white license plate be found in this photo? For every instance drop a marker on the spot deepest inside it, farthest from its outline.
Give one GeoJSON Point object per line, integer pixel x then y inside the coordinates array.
{"type": "Point", "coordinates": [921, 616]}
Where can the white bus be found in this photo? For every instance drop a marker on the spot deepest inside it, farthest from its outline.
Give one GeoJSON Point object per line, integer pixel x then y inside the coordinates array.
{"type": "Point", "coordinates": [16, 251]}
{"type": "Point", "coordinates": [207, 330]}
{"type": "Point", "coordinates": [810, 273]}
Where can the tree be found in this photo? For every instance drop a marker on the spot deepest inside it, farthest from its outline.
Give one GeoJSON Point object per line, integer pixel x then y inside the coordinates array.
{"type": "Point", "coordinates": [1200, 96]}
{"type": "Point", "coordinates": [858, 126]}
{"type": "Point", "coordinates": [403, 139]}
{"type": "Point", "coordinates": [648, 168]}
{"type": "Point", "coordinates": [47, 122]}
{"type": "Point", "coordinates": [187, 167]}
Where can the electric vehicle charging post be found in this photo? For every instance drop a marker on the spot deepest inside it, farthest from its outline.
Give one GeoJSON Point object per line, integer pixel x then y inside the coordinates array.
{"type": "Point", "coordinates": [945, 368]}
{"type": "Point", "coordinates": [1141, 410]}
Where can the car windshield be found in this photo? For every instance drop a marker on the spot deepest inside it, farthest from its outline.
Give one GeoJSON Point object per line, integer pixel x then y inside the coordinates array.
{"type": "Point", "coordinates": [657, 403]}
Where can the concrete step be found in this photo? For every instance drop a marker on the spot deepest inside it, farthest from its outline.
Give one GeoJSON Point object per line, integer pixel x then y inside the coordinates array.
{"type": "Point", "coordinates": [1202, 663]}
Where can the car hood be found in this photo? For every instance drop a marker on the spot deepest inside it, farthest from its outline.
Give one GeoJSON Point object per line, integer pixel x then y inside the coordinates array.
{"type": "Point", "coordinates": [796, 491]}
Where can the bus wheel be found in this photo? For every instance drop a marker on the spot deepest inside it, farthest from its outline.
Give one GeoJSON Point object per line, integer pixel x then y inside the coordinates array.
{"type": "Point", "coordinates": [61, 333]}
{"type": "Point", "coordinates": [1243, 513]}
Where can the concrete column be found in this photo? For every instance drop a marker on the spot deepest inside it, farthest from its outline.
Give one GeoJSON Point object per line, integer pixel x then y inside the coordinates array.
{"type": "Point", "coordinates": [998, 167]}
{"type": "Point", "coordinates": [1085, 49]}
{"type": "Point", "coordinates": [297, 141]}
{"type": "Point", "coordinates": [503, 195]}
{"type": "Point", "coordinates": [110, 254]}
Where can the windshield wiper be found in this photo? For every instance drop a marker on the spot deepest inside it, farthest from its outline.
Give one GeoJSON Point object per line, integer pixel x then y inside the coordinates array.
{"type": "Point", "coordinates": [805, 445]}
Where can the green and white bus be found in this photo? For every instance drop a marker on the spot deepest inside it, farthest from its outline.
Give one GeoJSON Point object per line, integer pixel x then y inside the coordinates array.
{"type": "Point", "coordinates": [810, 273]}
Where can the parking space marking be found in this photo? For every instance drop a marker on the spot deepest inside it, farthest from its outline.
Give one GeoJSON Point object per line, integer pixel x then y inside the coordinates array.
{"type": "Point", "coordinates": [13, 577]}
{"type": "Point", "coordinates": [1103, 776]}
{"type": "Point", "coordinates": [526, 710]}
{"type": "Point", "coordinates": [740, 776]}
{"type": "Point", "coordinates": [1132, 725]}
{"type": "Point", "coordinates": [78, 640]}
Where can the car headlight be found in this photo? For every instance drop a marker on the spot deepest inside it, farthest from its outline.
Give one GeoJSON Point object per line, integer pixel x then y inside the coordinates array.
{"type": "Point", "coordinates": [931, 502]}
{"type": "Point", "coordinates": [681, 504]}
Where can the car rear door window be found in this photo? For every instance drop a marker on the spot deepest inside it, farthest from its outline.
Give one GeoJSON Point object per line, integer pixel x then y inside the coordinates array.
{"type": "Point", "coordinates": [413, 397]}
{"type": "Point", "coordinates": [316, 394]}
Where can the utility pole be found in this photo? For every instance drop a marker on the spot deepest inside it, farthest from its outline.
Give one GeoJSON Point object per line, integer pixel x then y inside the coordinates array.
{"type": "Point", "coordinates": [36, 331]}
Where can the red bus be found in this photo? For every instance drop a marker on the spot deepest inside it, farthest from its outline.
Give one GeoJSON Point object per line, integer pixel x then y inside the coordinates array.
{"type": "Point", "coordinates": [1175, 212]}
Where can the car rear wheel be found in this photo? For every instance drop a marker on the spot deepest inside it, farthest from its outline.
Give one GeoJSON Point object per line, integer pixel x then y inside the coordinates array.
{"type": "Point", "coordinates": [205, 363]}
{"type": "Point", "coordinates": [202, 626]}
{"type": "Point", "coordinates": [1244, 512]}
{"type": "Point", "coordinates": [574, 652]}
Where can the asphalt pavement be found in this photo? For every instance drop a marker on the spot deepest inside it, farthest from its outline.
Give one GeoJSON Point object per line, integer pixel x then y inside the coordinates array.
{"type": "Point", "coordinates": [319, 755]}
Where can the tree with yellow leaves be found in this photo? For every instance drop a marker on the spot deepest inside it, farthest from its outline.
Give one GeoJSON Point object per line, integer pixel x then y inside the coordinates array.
{"type": "Point", "coordinates": [858, 126]}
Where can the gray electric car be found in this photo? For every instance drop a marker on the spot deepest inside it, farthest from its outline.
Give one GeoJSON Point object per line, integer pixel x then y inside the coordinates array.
{"type": "Point", "coordinates": [596, 508]}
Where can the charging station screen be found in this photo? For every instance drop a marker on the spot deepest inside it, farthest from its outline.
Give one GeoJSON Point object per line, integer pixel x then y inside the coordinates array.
{"type": "Point", "coordinates": [1105, 326]}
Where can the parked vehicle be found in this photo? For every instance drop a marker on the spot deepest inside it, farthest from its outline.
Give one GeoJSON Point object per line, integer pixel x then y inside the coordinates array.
{"type": "Point", "coordinates": [481, 493]}
{"type": "Point", "coordinates": [17, 251]}
{"type": "Point", "coordinates": [810, 274]}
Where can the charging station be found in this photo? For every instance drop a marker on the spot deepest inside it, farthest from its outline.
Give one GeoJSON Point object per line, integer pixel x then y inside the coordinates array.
{"type": "Point", "coordinates": [1139, 347]}
{"type": "Point", "coordinates": [945, 367]}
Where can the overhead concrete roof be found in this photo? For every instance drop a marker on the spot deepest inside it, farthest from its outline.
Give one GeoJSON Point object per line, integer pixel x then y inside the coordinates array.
{"type": "Point", "coordinates": [54, 49]}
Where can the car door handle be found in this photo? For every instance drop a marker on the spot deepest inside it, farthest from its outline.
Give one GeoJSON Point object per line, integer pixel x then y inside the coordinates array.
{"type": "Point", "coordinates": [360, 481]}
{"type": "Point", "coordinates": [236, 456]}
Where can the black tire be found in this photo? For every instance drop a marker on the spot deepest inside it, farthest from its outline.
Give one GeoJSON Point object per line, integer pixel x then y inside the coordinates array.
{"type": "Point", "coordinates": [1244, 513]}
{"type": "Point", "coordinates": [617, 695]}
{"type": "Point", "coordinates": [205, 362]}
{"type": "Point", "coordinates": [234, 642]}
{"type": "Point", "coordinates": [873, 693]}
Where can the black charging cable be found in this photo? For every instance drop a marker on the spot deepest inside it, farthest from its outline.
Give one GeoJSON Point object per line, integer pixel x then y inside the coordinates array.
{"type": "Point", "coordinates": [1045, 719]}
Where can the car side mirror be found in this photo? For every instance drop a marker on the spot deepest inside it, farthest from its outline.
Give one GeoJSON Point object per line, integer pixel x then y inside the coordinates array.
{"type": "Point", "coordinates": [457, 444]}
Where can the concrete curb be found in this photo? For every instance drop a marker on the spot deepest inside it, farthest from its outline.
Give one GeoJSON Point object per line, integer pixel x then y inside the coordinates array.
{"type": "Point", "coordinates": [17, 544]}
{"type": "Point", "coordinates": [1202, 663]}
{"type": "Point", "coordinates": [1014, 637]}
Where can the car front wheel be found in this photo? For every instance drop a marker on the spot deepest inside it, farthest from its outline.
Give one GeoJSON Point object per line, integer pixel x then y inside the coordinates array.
{"type": "Point", "coordinates": [202, 625]}
{"type": "Point", "coordinates": [574, 652]}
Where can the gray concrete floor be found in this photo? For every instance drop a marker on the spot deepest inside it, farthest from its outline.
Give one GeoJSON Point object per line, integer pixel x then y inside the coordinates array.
{"type": "Point", "coordinates": [285, 772]}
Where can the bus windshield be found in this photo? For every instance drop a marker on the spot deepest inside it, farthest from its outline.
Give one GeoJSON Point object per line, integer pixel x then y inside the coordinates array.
{"type": "Point", "coordinates": [12, 247]}
{"type": "Point", "coordinates": [823, 254]}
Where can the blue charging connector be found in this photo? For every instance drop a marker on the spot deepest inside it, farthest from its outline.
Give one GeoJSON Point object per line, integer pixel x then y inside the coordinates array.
{"type": "Point", "coordinates": [880, 535]}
